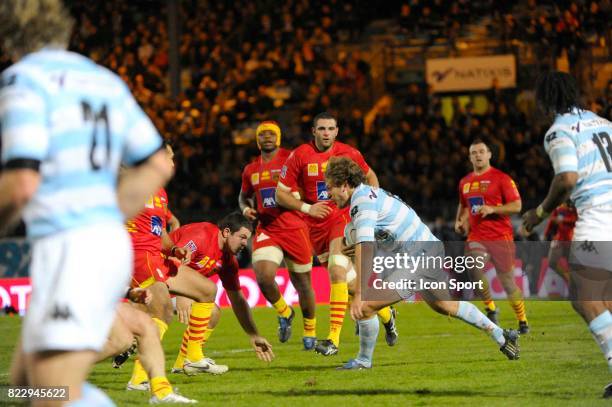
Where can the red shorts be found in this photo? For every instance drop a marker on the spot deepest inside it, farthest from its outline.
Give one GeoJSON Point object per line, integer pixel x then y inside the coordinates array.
{"type": "Point", "coordinates": [148, 268]}
{"type": "Point", "coordinates": [502, 252]}
{"type": "Point", "coordinates": [322, 233]}
{"type": "Point", "coordinates": [293, 242]}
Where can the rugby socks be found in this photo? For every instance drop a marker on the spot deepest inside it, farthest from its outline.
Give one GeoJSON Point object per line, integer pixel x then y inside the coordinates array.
{"type": "Point", "coordinates": [198, 324]}
{"type": "Point", "coordinates": [469, 313]}
{"type": "Point", "coordinates": [518, 305]}
{"type": "Point", "coordinates": [601, 328]}
{"type": "Point", "coordinates": [338, 300]}
{"type": "Point", "coordinates": [485, 293]}
{"type": "Point", "coordinates": [180, 359]}
{"type": "Point", "coordinates": [282, 308]}
{"type": "Point", "coordinates": [310, 325]}
{"type": "Point", "coordinates": [368, 333]}
{"type": "Point", "coordinates": [160, 387]}
{"type": "Point", "coordinates": [385, 315]}
{"type": "Point", "coordinates": [139, 375]}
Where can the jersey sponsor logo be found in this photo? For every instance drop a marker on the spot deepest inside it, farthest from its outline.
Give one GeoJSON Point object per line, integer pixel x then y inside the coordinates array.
{"type": "Point", "coordinates": [156, 225]}
{"type": "Point", "coordinates": [313, 170]}
{"type": "Point", "coordinates": [475, 186]}
{"type": "Point", "coordinates": [466, 187]}
{"type": "Point", "coordinates": [191, 246]}
{"type": "Point", "coordinates": [265, 176]}
{"type": "Point", "coordinates": [149, 203]}
{"type": "Point", "coordinates": [268, 199]}
{"type": "Point", "coordinates": [255, 178]}
{"type": "Point", "coordinates": [322, 194]}
{"type": "Point", "coordinates": [324, 167]}
{"type": "Point", "coordinates": [476, 202]}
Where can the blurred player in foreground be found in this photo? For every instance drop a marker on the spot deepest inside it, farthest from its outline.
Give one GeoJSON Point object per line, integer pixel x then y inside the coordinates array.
{"type": "Point", "coordinates": [67, 124]}
{"type": "Point", "coordinates": [579, 144]}
{"type": "Point", "coordinates": [281, 233]}
{"type": "Point", "coordinates": [559, 232]}
{"type": "Point", "coordinates": [487, 198]}
{"type": "Point", "coordinates": [380, 216]}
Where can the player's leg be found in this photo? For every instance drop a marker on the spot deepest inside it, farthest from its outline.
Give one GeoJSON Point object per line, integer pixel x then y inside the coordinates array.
{"type": "Point", "coordinates": [558, 256]}
{"type": "Point", "coordinates": [476, 249]}
{"type": "Point", "coordinates": [67, 324]}
{"type": "Point", "coordinates": [189, 283]}
{"type": "Point", "coordinates": [503, 255]}
{"type": "Point", "coordinates": [387, 315]}
{"type": "Point", "coordinates": [266, 260]}
{"type": "Point", "coordinates": [440, 302]}
{"type": "Point", "coordinates": [296, 245]}
{"type": "Point", "coordinates": [301, 278]}
{"type": "Point", "coordinates": [17, 374]}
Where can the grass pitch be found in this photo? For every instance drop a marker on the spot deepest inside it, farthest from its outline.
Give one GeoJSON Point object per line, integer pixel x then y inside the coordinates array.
{"type": "Point", "coordinates": [438, 361]}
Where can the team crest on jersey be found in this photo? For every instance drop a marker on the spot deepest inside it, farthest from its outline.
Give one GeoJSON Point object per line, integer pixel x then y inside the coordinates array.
{"type": "Point", "coordinates": [466, 187]}
{"type": "Point", "coordinates": [275, 175]}
{"type": "Point", "coordinates": [484, 185]}
{"type": "Point", "coordinates": [265, 176]}
{"type": "Point", "coordinates": [191, 246]}
{"type": "Point", "coordinates": [255, 178]}
{"type": "Point", "coordinates": [149, 203]}
{"type": "Point", "coordinates": [313, 170]}
{"type": "Point", "coordinates": [156, 225]}
{"type": "Point", "coordinates": [476, 202]}
{"type": "Point", "coordinates": [268, 199]}
{"type": "Point", "coordinates": [322, 194]}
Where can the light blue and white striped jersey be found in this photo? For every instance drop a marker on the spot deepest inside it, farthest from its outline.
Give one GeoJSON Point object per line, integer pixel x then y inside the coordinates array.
{"type": "Point", "coordinates": [378, 215]}
{"type": "Point", "coordinates": [80, 122]}
{"type": "Point", "coordinates": [581, 142]}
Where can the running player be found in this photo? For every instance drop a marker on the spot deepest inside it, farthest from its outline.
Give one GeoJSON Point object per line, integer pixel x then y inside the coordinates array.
{"type": "Point", "coordinates": [213, 252]}
{"type": "Point", "coordinates": [487, 199]}
{"type": "Point", "coordinates": [579, 144]}
{"type": "Point", "coordinates": [281, 233]}
{"type": "Point", "coordinates": [380, 216]}
{"type": "Point", "coordinates": [304, 171]}
{"type": "Point", "coordinates": [66, 126]}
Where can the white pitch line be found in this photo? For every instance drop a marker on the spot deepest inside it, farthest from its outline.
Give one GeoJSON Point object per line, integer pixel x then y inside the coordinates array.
{"type": "Point", "coordinates": [222, 352]}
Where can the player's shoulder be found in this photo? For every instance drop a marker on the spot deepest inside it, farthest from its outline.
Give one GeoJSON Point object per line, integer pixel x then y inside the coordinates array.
{"type": "Point", "coordinates": [250, 166]}
{"type": "Point", "coordinates": [497, 173]}
{"type": "Point", "coordinates": [466, 178]}
{"type": "Point", "coordinates": [283, 154]}
{"type": "Point", "coordinates": [162, 193]}
{"type": "Point", "coordinates": [343, 148]}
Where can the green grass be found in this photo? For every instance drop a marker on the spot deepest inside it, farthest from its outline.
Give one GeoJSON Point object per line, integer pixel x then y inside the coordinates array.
{"type": "Point", "coordinates": [438, 361]}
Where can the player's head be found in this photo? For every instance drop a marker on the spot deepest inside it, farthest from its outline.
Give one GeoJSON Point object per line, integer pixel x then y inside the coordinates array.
{"type": "Point", "coordinates": [169, 152]}
{"type": "Point", "coordinates": [268, 136]}
{"type": "Point", "coordinates": [29, 25]}
{"type": "Point", "coordinates": [325, 130]}
{"type": "Point", "coordinates": [342, 176]}
{"type": "Point", "coordinates": [480, 155]}
{"type": "Point", "coordinates": [557, 92]}
{"type": "Point", "coordinates": [236, 231]}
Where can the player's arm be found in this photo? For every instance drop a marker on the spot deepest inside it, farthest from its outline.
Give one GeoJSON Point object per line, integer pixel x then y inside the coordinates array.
{"type": "Point", "coordinates": [242, 310]}
{"type": "Point", "coordinates": [174, 249]}
{"type": "Point", "coordinates": [564, 158]}
{"type": "Point", "coordinates": [461, 219]}
{"type": "Point", "coordinates": [371, 178]}
{"type": "Point", "coordinates": [509, 208]}
{"type": "Point", "coordinates": [247, 206]}
{"type": "Point", "coordinates": [286, 199]}
{"type": "Point", "coordinates": [173, 222]}
{"type": "Point", "coordinates": [25, 140]}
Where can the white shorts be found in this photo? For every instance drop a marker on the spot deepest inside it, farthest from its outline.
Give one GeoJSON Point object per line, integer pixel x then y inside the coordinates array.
{"type": "Point", "coordinates": [78, 278]}
{"type": "Point", "coordinates": [592, 242]}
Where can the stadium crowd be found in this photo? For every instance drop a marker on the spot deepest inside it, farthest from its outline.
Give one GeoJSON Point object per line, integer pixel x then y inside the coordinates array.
{"type": "Point", "coordinates": [242, 62]}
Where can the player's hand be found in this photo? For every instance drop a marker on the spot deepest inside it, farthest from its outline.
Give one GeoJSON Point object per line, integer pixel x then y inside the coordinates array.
{"type": "Point", "coordinates": [320, 210]}
{"type": "Point", "coordinates": [461, 227]}
{"type": "Point", "coordinates": [262, 347]}
{"type": "Point", "coordinates": [183, 254]}
{"type": "Point", "coordinates": [349, 251]}
{"type": "Point", "coordinates": [183, 308]}
{"type": "Point", "coordinates": [356, 308]}
{"type": "Point", "coordinates": [486, 210]}
{"type": "Point", "coordinates": [250, 214]}
{"type": "Point", "coordinates": [141, 296]}
{"type": "Point", "coordinates": [530, 220]}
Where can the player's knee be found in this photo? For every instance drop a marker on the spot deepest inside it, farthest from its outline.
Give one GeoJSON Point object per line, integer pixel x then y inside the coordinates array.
{"type": "Point", "coordinates": [215, 316]}
{"type": "Point", "coordinates": [207, 291]}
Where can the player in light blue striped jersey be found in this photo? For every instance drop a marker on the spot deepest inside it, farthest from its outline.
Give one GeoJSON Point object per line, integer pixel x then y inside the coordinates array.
{"type": "Point", "coordinates": [579, 144]}
{"type": "Point", "coordinates": [66, 125]}
{"type": "Point", "coordinates": [384, 220]}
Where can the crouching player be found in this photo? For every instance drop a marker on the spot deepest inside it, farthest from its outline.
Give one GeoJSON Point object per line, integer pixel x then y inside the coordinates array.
{"type": "Point", "coordinates": [377, 214]}
{"type": "Point", "coordinates": [213, 249]}
{"type": "Point", "coordinates": [281, 233]}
